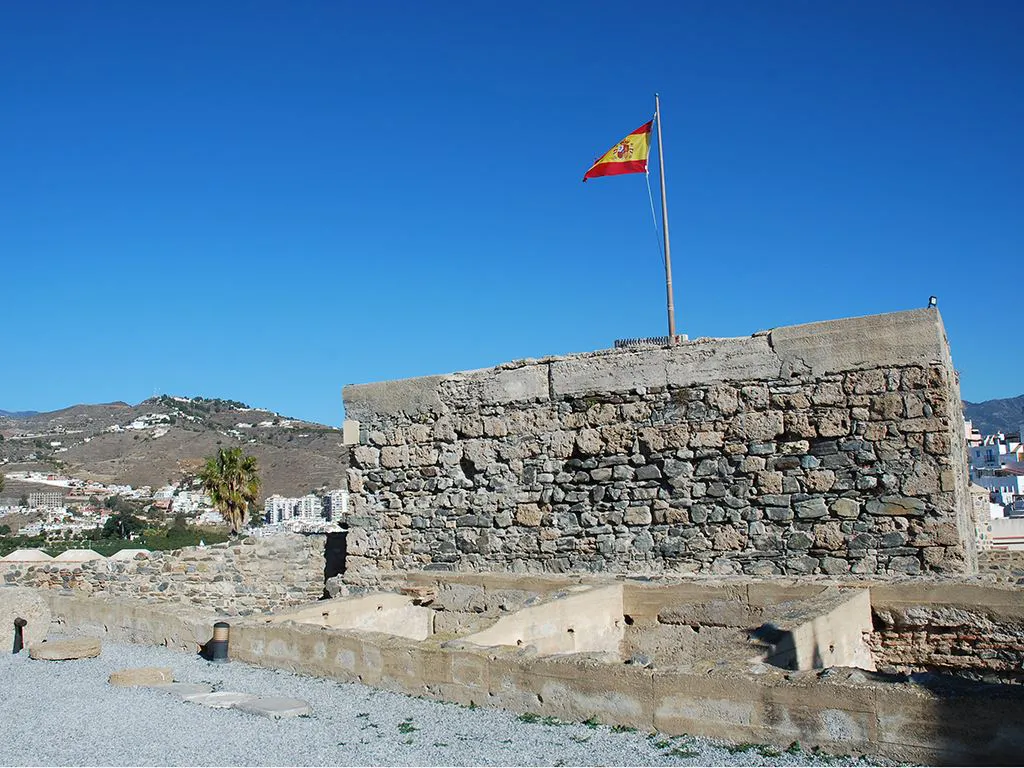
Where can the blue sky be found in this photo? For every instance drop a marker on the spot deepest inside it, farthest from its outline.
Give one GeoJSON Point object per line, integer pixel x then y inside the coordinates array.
{"type": "Point", "coordinates": [265, 201]}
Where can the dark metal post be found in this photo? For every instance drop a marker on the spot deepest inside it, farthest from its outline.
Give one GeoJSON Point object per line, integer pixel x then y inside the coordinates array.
{"type": "Point", "coordinates": [219, 643]}
{"type": "Point", "coordinates": [19, 638]}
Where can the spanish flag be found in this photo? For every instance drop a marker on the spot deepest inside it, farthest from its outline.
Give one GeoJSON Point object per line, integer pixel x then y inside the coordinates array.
{"type": "Point", "coordinates": [628, 156]}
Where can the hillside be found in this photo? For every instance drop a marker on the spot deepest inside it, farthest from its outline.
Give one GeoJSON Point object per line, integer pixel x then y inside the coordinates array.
{"type": "Point", "coordinates": [159, 440]}
{"type": "Point", "coordinates": [991, 416]}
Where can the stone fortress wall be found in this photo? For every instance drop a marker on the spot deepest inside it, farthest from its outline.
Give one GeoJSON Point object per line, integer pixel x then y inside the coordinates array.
{"type": "Point", "coordinates": [248, 576]}
{"type": "Point", "coordinates": [830, 448]}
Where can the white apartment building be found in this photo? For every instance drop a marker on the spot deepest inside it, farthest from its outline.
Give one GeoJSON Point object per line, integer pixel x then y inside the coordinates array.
{"type": "Point", "coordinates": [277, 509]}
{"type": "Point", "coordinates": [997, 452]}
{"type": "Point", "coordinates": [189, 502]}
{"type": "Point", "coordinates": [335, 505]}
{"type": "Point", "coordinates": [1004, 487]}
{"type": "Point", "coordinates": [46, 499]}
{"type": "Point", "coordinates": [309, 507]}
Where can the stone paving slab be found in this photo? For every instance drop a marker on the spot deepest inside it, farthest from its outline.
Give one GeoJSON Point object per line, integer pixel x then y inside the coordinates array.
{"type": "Point", "coordinates": [275, 707]}
{"type": "Point", "coordinates": [141, 676]}
{"type": "Point", "coordinates": [221, 699]}
{"type": "Point", "coordinates": [183, 690]}
{"type": "Point", "coordinates": [64, 650]}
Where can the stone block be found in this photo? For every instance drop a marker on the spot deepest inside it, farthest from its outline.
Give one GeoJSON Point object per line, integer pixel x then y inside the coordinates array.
{"type": "Point", "coordinates": [65, 650]}
{"type": "Point", "coordinates": [145, 676]}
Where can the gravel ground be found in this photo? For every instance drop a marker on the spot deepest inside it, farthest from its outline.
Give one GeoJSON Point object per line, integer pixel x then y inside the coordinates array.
{"type": "Point", "coordinates": [65, 713]}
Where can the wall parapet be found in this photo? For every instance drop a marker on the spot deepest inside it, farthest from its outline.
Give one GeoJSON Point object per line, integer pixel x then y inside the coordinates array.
{"type": "Point", "coordinates": [243, 577]}
{"type": "Point", "coordinates": [833, 448]}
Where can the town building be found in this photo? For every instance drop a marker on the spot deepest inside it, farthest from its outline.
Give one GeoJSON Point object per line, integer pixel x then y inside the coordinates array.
{"type": "Point", "coordinates": [46, 499]}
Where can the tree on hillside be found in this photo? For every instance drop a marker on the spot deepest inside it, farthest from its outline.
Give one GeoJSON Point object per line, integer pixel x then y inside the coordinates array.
{"type": "Point", "coordinates": [122, 526]}
{"type": "Point", "coordinates": [232, 480]}
{"type": "Point", "coordinates": [1, 481]}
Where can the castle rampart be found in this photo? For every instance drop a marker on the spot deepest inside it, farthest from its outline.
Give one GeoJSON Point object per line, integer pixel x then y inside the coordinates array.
{"type": "Point", "coordinates": [830, 448]}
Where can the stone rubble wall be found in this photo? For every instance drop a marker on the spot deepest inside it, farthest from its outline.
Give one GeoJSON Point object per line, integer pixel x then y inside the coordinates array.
{"type": "Point", "coordinates": [971, 629]}
{"type": "Point", "coordinates": [830, 448]}
{"type": "Point", "coordinates": [233, 579]}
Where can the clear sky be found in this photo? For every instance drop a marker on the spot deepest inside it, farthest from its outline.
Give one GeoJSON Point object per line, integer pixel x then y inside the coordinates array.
{"type": "Point", "coordinates": [265, 201]}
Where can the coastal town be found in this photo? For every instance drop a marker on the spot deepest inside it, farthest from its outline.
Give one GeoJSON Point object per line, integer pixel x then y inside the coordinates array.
{"type": "Point", "coordinates": [71, 508]}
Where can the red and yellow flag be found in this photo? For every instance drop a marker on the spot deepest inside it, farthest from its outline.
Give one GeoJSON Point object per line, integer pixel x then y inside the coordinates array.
{"type": "Point", "coordinates": [628, 156]}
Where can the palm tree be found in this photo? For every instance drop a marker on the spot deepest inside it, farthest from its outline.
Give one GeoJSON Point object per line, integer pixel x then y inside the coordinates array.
{"type": "Point", "coordinates": [233, 483]}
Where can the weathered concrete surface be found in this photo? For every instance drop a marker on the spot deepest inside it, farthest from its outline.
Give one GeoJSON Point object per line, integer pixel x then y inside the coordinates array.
{"type": "Point", "coordinates": [916, 337]}
{"type": "Point", "coordinates": [825, 631]}
{"type": "Point", "coordinates": [274, 707]}
{"type": "Point", "coordinates": [183, 690]}
{"type": "Point", "coordinates": [586, 621]}
{"type": "Point", "coordinates": [65, 650]}
{"type": "Point", "coordinates": [179, 627]}
{"type": "Point", "coordinates": [410, 396]}
{"type": "Point", "coordinates": [220, 699]}
{"type": "Point", "coordinates": [27, 604]}
{"type": "Point", "coordinates": [384, 612]}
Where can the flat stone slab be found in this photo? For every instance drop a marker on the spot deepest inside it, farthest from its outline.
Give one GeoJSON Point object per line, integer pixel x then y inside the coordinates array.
{"type": "Point", "coordinates": [183, 690]}
{"type": "Point", "coordinates": [65, 650]}
{"type": "Point", "coordinates": [221, 699]}
{"type": "Point", "coordinates": [141, 676]}
{"type": "Point", "coordinates": [275, 707]}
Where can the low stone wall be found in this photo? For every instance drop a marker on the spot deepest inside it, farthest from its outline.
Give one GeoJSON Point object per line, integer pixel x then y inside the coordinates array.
{"type": "Point", "coordinates": [830, 448]}
{"type": "Point", "coordinates": [963, 629]}
{"type": "Point", "coordinates": [926, 721]}
{"type": "Point", "coordinates": [253, 575]}
{"type": "Point", "coordinates": [1002, 565]}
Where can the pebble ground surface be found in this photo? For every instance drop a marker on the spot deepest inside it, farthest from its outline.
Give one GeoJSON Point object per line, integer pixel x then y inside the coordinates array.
{"type": "Point", "coordinates": [64, 713]}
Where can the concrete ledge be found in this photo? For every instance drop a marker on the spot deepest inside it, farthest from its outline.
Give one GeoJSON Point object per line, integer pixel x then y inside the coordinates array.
{"type": "Point", "coordinates": [930, 720]}
{"type": "Point", "coordinates": [410, 396]}
{"type": "Point", "coordinates": [849, 344]}
{"type": "Point", "coordinates": [915, 337]}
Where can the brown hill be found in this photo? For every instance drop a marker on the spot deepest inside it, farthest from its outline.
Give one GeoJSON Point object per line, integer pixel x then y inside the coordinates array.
{"type": "Point", "coordinates": [162, 439]}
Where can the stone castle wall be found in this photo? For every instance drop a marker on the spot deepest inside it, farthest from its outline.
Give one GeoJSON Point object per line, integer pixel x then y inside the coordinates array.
{"type": "Point", "coordinates": [240, 578]}
{"type": "Point", "coordinates": [831, 448]}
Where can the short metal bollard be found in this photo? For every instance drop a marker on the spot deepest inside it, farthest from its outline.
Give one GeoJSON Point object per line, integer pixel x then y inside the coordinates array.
{"type": "Point", "coordinates": [19, 637]}
{"type": "Point", "coordinates": [219, 644]}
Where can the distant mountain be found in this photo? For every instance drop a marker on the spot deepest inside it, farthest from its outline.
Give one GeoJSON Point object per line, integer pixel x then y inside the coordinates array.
{"type": "Point", "coordinates": [165, 438]}
{"type": "Point", "coordinates": [17, 414]}
{"type": "Point", "coordinates": [991, 416]}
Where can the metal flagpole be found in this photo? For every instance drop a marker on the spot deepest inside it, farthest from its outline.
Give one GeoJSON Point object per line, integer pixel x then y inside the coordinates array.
{"type": "Point", "coordinates": [664, 225]}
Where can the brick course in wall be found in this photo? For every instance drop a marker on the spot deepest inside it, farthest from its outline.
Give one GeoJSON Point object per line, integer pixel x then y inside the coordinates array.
{"type": "Point", "coordinates": [236, 578]}
{"type": "Point", "coordinates": [833, 448]}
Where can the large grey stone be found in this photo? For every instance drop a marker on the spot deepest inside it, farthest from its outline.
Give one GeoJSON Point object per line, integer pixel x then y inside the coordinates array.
{"type": "Point", "coordinates": [811, 508]}
{"type": "Point", "coordinates": [275, 707]}
{"type": "Point", "coordinates": [27, 604]}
